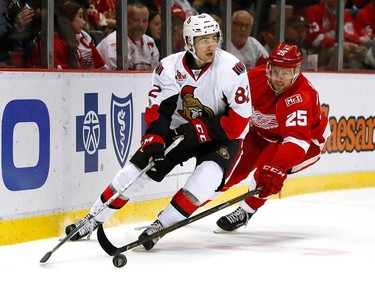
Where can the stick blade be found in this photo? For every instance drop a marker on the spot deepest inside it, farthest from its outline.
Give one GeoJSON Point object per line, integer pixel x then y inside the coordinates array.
{"type": "Point", "coordinates": [46, 257]}
{"type": "Point", "coordinates": [104, 242]}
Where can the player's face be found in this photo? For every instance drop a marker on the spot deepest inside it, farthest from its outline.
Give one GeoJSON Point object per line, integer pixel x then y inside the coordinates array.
{"type": "Point", "coordinates": [281, 78]}
{"type": "Point", "coordinates": [205, 47]}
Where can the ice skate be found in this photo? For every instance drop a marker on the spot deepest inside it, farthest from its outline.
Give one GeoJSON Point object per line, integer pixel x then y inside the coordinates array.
{"type": "Point", "coordinates": [152, 228]}
{"type": "Point", "coordinates": [233, 221]}
{"type": "Point", "coordinates": [85, 230]}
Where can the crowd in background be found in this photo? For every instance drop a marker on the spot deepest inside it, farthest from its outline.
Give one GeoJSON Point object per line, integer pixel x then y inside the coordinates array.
{"type": "Point", "coordinates": [85, 32]}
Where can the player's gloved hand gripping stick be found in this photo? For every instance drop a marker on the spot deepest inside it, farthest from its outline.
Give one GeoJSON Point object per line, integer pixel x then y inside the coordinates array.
{"type": "Point", "coordinates": [110, 200]}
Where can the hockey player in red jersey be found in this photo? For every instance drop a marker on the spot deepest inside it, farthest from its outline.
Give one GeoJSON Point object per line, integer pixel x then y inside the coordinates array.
{"type": "Point", "coordinates": [288, 131]}
{"type": "Point", "coordinates": [202, 93]}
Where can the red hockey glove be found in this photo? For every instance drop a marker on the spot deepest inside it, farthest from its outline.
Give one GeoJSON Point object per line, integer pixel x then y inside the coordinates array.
{"type": "Point", "coordinates": [153, 149]}
{"type": "Point", "coordinates": [195, 132]}
{"type": "Point", "coordinates": [269, 179]}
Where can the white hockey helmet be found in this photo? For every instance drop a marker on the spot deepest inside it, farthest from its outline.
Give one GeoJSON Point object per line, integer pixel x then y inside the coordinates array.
{"type": "Point", "coordinates": [199, 25]}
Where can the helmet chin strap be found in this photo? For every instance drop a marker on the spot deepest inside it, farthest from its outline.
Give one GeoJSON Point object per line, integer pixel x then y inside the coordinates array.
{"type": "Point", "coordinates": [195, 56]}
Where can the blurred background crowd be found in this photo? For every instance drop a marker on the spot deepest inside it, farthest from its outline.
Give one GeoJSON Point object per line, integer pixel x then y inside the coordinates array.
{"type": "Point", "coordinates": [84, 32]}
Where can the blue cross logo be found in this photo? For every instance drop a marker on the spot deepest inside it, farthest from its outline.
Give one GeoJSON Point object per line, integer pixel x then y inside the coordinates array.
{"type": "Point", "coordinates": [91, 132]}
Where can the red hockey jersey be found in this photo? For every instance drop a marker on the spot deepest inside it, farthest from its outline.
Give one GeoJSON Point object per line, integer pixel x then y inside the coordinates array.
{"type": "Point", "coordinates": [293, 119]}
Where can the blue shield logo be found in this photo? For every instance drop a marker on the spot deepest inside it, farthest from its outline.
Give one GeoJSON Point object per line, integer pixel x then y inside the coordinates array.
{"type": "Point", "coordinates": [122, 126]}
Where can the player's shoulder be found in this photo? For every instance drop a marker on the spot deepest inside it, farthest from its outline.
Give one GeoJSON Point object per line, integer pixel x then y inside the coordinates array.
{"type": "Point", "coordinates": [225, 57]}
{"type": "Point", "coordinates": [301, 94]}
{"type": "Point", "coordinates": [226, 61]}
{"type": "Point", "coordinates": [174, 60]}
{"type": "Point", "coordinates": [169, 64]}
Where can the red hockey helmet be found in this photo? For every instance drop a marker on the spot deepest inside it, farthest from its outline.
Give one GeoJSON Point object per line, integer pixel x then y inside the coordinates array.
{"type": "Point", "coordinates": [286, 55]}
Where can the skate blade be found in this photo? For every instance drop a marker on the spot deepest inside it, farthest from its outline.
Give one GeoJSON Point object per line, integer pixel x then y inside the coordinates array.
{"type": "Point", "coordinates": [219, 230]}
{"type": "Point", "coordinates": [139, 249]}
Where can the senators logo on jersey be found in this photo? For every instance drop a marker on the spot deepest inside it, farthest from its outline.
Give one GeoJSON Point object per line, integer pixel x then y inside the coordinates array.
{"type": "Point", "coordinates": [191, 106]}
{"type": "Point", "coordinates": [223, 152]}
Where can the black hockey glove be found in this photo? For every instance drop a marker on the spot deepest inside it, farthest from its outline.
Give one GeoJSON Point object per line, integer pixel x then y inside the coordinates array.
{"type": "Point", "coordinates": [153, 149]}
{"type": "Point", "coordinates": [195, 132]}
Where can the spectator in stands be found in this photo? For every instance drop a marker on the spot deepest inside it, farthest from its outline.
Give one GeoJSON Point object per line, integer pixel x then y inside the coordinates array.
{"type": "Point", "coordinates": [4, 30]}
{"type": "Point", "coordinates": [322, 22]}
{"type": "Point", "coordinates": [366, 19]}
{"type": "Point", "coordinates": [354, 6]}
{"type": "Point", "coordinates": [185, 5]}
{"type": "Point", "coordinates": [154, 27]}
{"type": "Point", "coordinates": [84, 3]}
{"type": "Point", "coordinates": [142, 51]}
{"type": "Point", "coordinates": [73, 47]}
{"type": "Point", "coordinates": [208, 7]}
{"type": "Point", "coordinates": [178, 18]}
{"type": "Point", "coordinates": [243, 5]}
{"type": "Point", "coordinates": [370, 57]}
{"type": "Point", "coordinates": [296, 29]}
{"type": "Point", "coordinates": [299, 6]}
{"type": "Point", "coordinates": [268, 36]}
{"type": "Point", "coordinates": [95, 20]}
{"type": "Point", "coordinates": [20, 25]}
{"type": "Point", "coordinates": [105, 7]}
{"type": "Point", "coordinates": [245, 47]}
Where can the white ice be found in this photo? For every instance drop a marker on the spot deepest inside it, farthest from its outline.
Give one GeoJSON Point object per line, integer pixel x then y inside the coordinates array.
{"type": "Point", "coordinates": [321, 236]}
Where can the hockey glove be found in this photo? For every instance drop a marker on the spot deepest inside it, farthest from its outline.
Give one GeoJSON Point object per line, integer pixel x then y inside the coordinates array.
{"type": "Point", "coordinates": [195, 132]}
{"type": "Point", "coordinates": [269, 180]}
{"type": "Point", "coordinates": [153, 149]}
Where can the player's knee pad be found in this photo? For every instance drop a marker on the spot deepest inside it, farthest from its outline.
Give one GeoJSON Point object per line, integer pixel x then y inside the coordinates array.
{"type": "Point", "coordinates": [205, 180]}
{"type": "Point", "coordinates": [125, 175]}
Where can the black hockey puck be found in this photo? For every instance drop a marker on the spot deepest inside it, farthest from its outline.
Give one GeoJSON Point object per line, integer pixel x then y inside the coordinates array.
{"type": "Point", "coordinates": [119, 260]}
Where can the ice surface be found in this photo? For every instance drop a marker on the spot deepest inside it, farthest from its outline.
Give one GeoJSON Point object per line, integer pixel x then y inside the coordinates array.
{"type": "Point", "coordinates": [321, 236]}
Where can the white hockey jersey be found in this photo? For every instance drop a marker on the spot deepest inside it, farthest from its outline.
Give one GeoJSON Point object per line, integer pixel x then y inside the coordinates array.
{"type": "Point", "coordinates": [220, 91]}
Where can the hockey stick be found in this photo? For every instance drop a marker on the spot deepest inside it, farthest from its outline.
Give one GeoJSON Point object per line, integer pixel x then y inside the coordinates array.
{"type": "Point", "coordinates": [110, 200]}
{"type": "Point", "coordinates": [112, 250]}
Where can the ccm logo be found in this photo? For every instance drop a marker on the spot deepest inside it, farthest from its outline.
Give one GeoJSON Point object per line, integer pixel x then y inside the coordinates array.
{"type": "Point", "coordinates": [273, 170]}
{"type": "Point", "coordinates": [200, 132]}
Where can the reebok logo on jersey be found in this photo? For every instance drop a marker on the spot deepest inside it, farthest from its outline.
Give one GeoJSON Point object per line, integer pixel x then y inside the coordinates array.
{"type": "Point", "coordinates": [293, 100]}
{"type": "Point", "coordinates": [239, 68]}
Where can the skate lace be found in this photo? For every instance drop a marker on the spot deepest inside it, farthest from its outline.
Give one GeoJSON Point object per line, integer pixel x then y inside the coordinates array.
{"type": "Point", "coordinates": [89, 227]}
{"type": "Point", "coordinates": [237, 215]}
{"type": "Point", "coordinates": [152, 228]}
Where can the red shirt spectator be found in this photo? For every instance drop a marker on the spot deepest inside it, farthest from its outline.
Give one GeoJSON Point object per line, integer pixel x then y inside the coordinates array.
{"type": "Point", "coordinates": [322, 21]}
{"type": "Point", "coordinates": [106, 7]}
{"type": "Point", "coordinates": [366, 19]}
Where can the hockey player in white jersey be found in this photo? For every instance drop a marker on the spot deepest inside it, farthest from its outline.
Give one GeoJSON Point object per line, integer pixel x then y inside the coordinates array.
{"type": "Point", "coordinates": [202, 93]}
